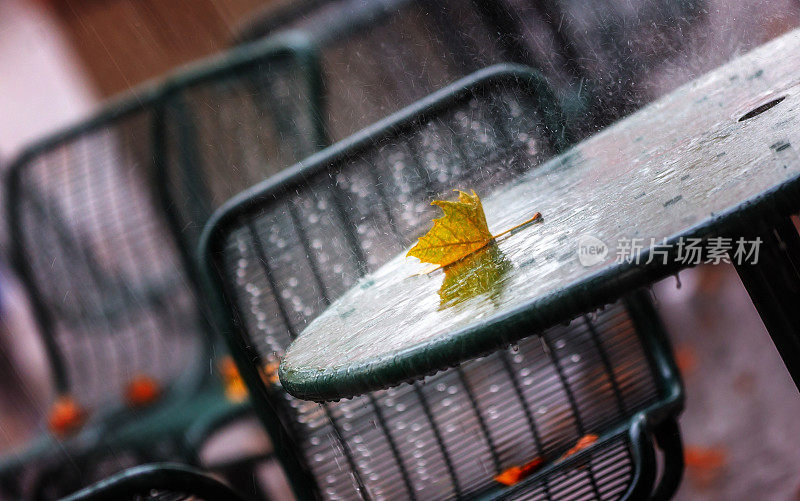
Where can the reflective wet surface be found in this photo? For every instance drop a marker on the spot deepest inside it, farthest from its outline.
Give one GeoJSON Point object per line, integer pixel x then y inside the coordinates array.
{"type": "Point", "coordinates": [668, 167]}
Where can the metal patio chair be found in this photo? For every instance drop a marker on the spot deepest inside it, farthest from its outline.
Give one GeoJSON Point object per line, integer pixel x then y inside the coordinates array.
{"type": "Point", "coordinates": [229, 125]}
{"type": "Point", "coordinates": [378, 56]}
{"type": "Point", "coordinates": [602, 49]}
{"type": "Point", "coordinates": [279, 253]}
{"type": "Point", "coordinates": [101, 218]}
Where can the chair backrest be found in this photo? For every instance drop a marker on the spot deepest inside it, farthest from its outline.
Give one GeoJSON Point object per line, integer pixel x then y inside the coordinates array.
{"type": "Point", "coordinates": [102, 268]}
{"type": "Point", "coordinates": [604, 49]}
{"type": "Point", "coordinates": [281, 252]}
{"type": "Point", "coordinates": [233, 122]}
{"type": "Point", "coordinates": [378, 56]}
{"type": "Point", "coordinates": [103, 216]}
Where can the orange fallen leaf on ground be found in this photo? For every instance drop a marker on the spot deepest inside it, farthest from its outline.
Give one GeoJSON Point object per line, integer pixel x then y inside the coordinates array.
{"type": "Point", "coordinates": [515, 474]}
{"type": "Point", "coordinates": [232, 382]}
{"type": "Point", "coordinates": [704, 465]}
{"type": "Point", "coordinates": [685, 359]}
{"type": "Point", "coordinates": [142, 390]}
{"type": "Point", "coordinates": [582, 443]}
{"type": "Point", "coordinates": [461, 231]}
{"type": "Point", "coordinates": [270, 373]}
{"type": "Point", "coordinates": [66, 416]}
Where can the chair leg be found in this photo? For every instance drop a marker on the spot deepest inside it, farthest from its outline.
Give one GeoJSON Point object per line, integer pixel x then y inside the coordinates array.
{"type": "Point", "coordinates": [774, 286]}
{"type": "Point", "coordinates": [668, 438]}
{"type": "Point", "coordinates": [244, 477]}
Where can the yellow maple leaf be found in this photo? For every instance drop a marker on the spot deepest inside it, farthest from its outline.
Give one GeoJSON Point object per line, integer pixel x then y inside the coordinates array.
{"type": "Point", "coordinates": [461, 231]}
{"type": "Point", "coordinates": [478, 274]}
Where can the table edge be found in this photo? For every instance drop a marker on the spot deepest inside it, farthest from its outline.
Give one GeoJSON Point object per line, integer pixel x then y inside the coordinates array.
{"type": "Point", "coordinates": [502, 330]}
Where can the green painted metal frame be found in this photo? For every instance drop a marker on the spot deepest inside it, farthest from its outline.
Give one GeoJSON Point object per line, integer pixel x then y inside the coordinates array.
{"type": "Point", "coordinates": [292, 44]}
{"type": "Point", "coordinates": [409, 117]}
{"type": "Point", "coordinates": [655, 421]}
{"type": "Point", "coordinates": [117, 426]}
{"type": "Point", "coordinates": [147, 95]}
{"type": "Point", "coordinates": [140, 480]}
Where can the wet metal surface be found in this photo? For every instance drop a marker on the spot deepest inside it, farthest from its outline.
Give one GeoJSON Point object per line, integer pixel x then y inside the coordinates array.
{"type": "Point", "coordinates": [663, 170]}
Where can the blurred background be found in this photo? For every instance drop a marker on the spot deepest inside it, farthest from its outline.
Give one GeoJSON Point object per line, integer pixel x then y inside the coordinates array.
{"type": "Point", "coordinates": [62, 59]}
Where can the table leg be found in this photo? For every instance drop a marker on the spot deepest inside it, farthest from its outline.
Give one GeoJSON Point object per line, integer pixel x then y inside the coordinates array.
{"type": "Point", "coordinates": [774, 286]}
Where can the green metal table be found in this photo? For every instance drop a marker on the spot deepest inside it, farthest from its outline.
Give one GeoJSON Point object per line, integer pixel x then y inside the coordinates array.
{"type": "Point", "coordinates": [279, 253]}
{"type": "Point", "coordinates": [709, 173]}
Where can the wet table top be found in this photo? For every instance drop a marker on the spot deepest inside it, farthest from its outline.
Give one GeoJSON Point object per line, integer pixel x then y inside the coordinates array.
{"type": "Point", "coordinates": [689, 165]}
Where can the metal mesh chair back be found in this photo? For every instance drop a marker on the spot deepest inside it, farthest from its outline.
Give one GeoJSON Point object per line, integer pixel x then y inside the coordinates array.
{"type": "Point", "coordinates": [282, 252]}
{"type": "Point", "coordinates": [603, 49]}
{"type": "Point", "coordinates": [381, 55]}
{"type": "Point", "coordinates": [228, 126]}
{"type": "Point", "coordinates": [100, 262]}
{"type": "Point", "coordinates": [105, 267]}
{"type": "Point", "coordinates": [102, 218]}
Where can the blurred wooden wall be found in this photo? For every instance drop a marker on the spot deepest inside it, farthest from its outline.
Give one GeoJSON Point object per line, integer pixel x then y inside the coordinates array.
{"type": "Point", "coordinates": [125, 42]}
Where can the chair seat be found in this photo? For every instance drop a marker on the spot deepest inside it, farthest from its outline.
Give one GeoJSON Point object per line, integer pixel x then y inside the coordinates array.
{"type": "Point", "coordinates": [158, 481]}
{"type": "Point", "coordinates": [619, 465]}
{"type": "Point", "coordinates": [171, 429]}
